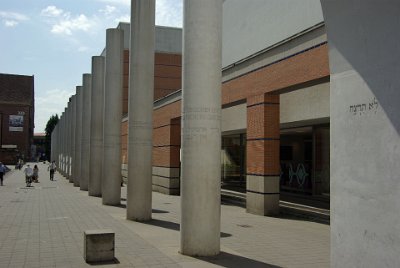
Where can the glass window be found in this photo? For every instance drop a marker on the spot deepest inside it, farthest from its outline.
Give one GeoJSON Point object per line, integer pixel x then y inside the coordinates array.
{"type": "Point", "coordinates": [233, 159]}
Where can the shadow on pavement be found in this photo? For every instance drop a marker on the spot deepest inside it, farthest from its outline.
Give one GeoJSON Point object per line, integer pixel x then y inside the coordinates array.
{"type": "Point", "coordinates": [228, 260]}
{"type": "Point", "coordinates": [173, 226]}
{"type": "Point", "coordinates": [153, 210]}
{"type": "Point", "coordinates": [114, 261]}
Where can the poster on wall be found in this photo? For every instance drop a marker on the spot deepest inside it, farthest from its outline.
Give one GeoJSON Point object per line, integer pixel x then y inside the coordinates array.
{"type": "Point", "coordinates": [16, 123]}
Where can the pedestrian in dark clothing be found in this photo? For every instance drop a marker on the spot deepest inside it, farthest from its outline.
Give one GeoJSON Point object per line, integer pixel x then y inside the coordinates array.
{"type": "Point", "coordinates": [52, 167]}
{"type": "Point", "coordinates": [2, 172]}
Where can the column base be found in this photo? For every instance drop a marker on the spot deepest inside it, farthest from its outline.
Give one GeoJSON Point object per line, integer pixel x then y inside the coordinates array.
{"type": "Point", "coordinates": [166, 180]}
{"type": "Point", "coordinates": [262, 197]}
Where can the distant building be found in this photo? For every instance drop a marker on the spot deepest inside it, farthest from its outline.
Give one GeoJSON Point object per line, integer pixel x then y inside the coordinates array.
{"type": "Point", "coordinates": [38, 151]}
{"type": "Point", "coordinates": [16, 117]}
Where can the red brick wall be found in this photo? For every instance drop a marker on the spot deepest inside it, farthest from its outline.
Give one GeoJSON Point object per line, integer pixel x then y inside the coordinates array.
{"type": "Point", "coordinates": [263, 119]}
{"type": "Point", "coordinates": [167, 135]}
{"type": "Point", "coordinates": [21, 139]}
{"type": "Point", "coordinates": [310, 65]}
{"type": "Point", "coordinates": [263, 135]}
{"type": "Point", "coordinates": [167, 79]}
{"type": "Point", "coordinates": [16, 95]}
{"type": "Point", "coordinates": [124, 142]}
{"type": "Point", "coordinates": [167, 76]}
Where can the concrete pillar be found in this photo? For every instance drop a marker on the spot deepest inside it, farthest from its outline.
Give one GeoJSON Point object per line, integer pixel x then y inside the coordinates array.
{"type": "Point", "coordinates": [53, 143]}
{"type": "Point", "coordinates": [62, 140]}
{"type": "Point", "coordinates": [96, 126]}
{"type": "Point", "coordinates": [69, 137]}
{"type": "Point", "coordinates": [65, 140]}
{"type": "Point", "coordinates": [263, 169]}
{"type": "Point", "coordinates": [86, 110]}
{"type": "Point", "coordinates": [57, 151]}
{"type": "Point", "coordinates": [78, 136]}
{"type": "Point", "coordinates": [59, 145]}
{"type": "Point", "coordinates": [68, 140]}
{"type": "Point", "coordinates": [111, 180]}
{"type": "Point", "coordinates": [201, 133]}
{"type": "Point", "coordinates": [58, 138]}
{"type": "Point", "coordinates": [364, 49]}
{"type": "Point", "coordinates": [141, 98]}
{"type": "Point", "coordinates": [60, 154]}
{"type": "Point", "coordinates": [52, 139]}
{"type": "Point", "coordinates": [72, 137]}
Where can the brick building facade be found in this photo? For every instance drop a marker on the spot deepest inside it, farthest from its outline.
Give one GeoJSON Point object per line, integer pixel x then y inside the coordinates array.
{"type": "Point", "coordinates": [275, 121]}
{"type": "Point", "coordinates": [16, 117]}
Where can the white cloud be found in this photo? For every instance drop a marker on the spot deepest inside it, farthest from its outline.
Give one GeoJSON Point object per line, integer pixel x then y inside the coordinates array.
{"type": "Point", "coordinates": [67, 25]}
{"type": "Point", "coordinates": [125, 18]}
{"type": "Point", "coordinates": [83, 49]}
{"type": "Point", "coordinates": [117, 2]}
{"type": "Point", "coordinates": [11, 19]}
{"type": "Point", "coordinates": [51, 102]}
{"type": "Point", "coordinates": [108, 10]}
{"type": "Point", "coordinates": [13, 16]}
{"type": "Point", "coordinates": [63, 23]}
{"type": "Point", "coordinates": [51, 11]}
{"type": "Point", "coordinates": [10, 23]}
{"type": "Point", "coordinates": [169, 13]}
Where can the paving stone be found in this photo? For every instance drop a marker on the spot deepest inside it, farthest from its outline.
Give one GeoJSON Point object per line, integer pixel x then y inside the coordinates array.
{"type": "Point", "coordinates": [43, 227]}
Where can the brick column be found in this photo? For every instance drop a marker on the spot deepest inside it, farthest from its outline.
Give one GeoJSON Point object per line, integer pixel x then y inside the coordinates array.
{"type": "Point", "coordinates": [263, 155]}
{"type": "Point", "coordinates": [166, 162]}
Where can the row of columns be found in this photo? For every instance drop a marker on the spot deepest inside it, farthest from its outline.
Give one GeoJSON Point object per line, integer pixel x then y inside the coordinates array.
{"type": "Point", "coordinates": [86, 143]}
{"type": "Point", "coordinates": [362, 71]}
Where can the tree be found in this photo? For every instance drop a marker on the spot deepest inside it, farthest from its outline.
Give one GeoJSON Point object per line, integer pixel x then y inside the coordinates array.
{"type": "Point", "coordinates": [51, 124]}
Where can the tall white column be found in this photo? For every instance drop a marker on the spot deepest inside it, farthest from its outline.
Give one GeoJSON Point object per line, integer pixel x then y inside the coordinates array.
{"type": "Point", "coordinates": [67, 140]}
{"type": "Point", "coordinates": [54, 143]}
{"type": "Point", "coordinates": [364, 48]}
{"type": "Point", "coordinates": [72, 137]}
{"type": "Point", "coordinates": [96, 126]}
{"type": "Point", "coordinates": [58, 144]}
{"type": "Point", "coordinates": [62, 134]}
{"type": "Point", "coordinates": [69, 137]}
{"type": "Point", "coordinates": [78, 136]}
{"type": "Point", "coordinates": [111, 180]}
{"type": "Point", "coordinates": [201, 133]}
{"type": "Point", "coordinates": [140, 122]}
{"type": "Point", "coordinates": [58, 138]}
{"type": "Point", "coordinates": [85, 162]}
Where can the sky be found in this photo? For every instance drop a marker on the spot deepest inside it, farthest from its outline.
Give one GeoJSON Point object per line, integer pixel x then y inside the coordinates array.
{"type": "Point", "coordinates": [55, 40]}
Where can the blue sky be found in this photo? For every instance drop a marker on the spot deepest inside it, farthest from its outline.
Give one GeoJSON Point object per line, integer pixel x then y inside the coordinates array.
{"type": "Point", "coordinates": [55, 40]}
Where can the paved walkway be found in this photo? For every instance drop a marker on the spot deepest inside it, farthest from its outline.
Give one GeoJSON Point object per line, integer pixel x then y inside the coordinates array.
{"type": "Point", "coordinates": [43, 226]}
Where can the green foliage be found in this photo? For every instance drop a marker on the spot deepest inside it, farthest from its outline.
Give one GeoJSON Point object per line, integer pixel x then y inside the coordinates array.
{"type": "Point", "coordinates": [51, 124]}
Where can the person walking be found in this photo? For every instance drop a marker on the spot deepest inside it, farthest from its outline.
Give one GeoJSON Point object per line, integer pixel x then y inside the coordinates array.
{"type": "Point", "coordinates": [52, 167]}
{"type": "Point", "coordinates": [2, 172]}
{"type": "Point", "coordinates": [28, 175]}
{"type": "Point", "coordinates": [35, 174]}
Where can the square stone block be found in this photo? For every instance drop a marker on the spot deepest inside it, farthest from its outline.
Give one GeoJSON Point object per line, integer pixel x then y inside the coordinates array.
{"type": "Point", "coordinates": [99, 245]}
